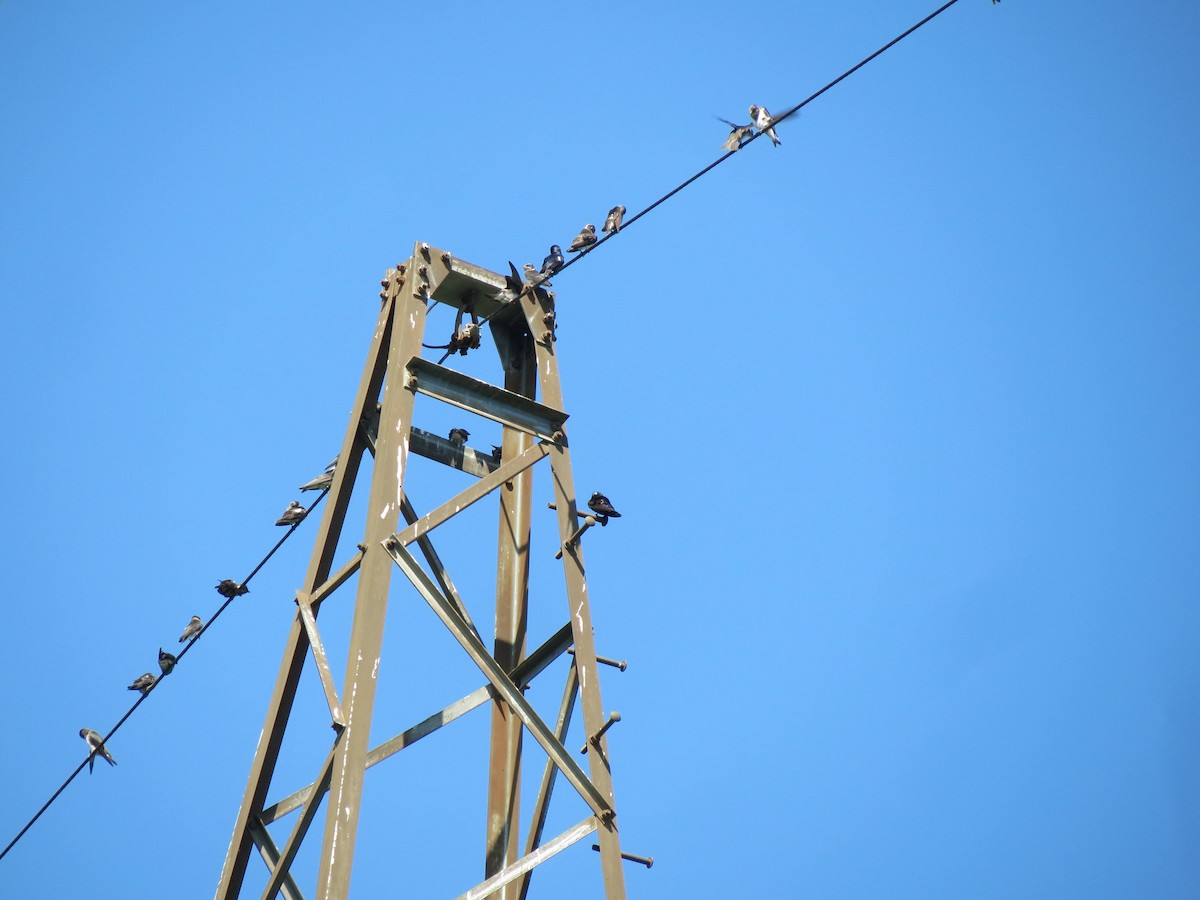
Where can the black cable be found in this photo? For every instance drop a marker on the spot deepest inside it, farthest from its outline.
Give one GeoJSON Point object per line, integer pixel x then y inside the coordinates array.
{"type": "Point", "coordinates": [158, 681]}
{"type": "Point", "coordinates": [775, 121]}
{"type": "Point", "coordinates": [661, 200]}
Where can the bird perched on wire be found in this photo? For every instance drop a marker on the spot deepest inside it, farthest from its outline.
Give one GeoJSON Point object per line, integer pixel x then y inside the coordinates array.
{"type": "Point", "coordinates": [553, 262]}
{"type": "Point", "coordinates": [193, 628]}
{"type": "Point", "coordinates": [512, 286]}
{"type": "Point", "coordinates": [583, 240]}
{"type": "Point", "coordinates": [95, 746]}
{"type": "Point", "coordinates": [143, 683]}
{"type": "Point", "coordinates": [166, 661]}
{"type": "Point", "coordinates": [322, 481]}
{"type": "Point", "coordinates": [612, 224]}
{"type": "Point", "coordinates": [600, 506]}
{"type": "Point", "coordinates": [737, 134]}
{"type": "Point", "coordinates": [293, 515]}
{"type": "Point", "coordinates": [533, 276]}
{"type": "Point", "coordinates": [459, 436]}
{"type": "Point", "coordinates": [762, 120]}
{"type": "Point", "coordinates": [228, 588]}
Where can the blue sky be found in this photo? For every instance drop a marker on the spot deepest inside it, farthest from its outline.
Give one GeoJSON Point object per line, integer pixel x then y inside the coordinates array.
{"type": "Point", "coordinates": [901, 415]}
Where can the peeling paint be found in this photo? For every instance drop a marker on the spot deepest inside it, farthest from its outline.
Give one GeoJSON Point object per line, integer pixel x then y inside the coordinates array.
{"type": "Point", "coordinates": [375, 671]}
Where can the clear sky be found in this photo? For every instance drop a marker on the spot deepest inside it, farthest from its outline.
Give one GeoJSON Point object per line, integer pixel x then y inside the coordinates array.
{"type": "Point", "coordinates": [901, 415]}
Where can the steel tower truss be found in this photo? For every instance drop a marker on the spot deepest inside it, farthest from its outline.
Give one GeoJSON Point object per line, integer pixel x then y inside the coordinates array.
{"type": "Point", "coordinates": [533, 431]}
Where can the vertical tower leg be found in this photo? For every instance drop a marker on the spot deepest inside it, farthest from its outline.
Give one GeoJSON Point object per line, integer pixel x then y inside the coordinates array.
{"type": "Point", "coordinates": [512, 595]}
{"type": "Point", "coordinates": [370, 609]}
{"type": "Point", "coordinates": [539, 308]}
{"type": "Point", "coordinates": [296, 649]}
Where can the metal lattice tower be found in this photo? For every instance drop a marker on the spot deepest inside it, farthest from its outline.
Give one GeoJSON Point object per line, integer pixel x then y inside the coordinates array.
{"type": "Point", "coordinates": [533, 431]}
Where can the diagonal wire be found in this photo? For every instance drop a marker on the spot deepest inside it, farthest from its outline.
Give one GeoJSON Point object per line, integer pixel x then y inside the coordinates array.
{"type": "Point", "coordinates": [140, 700]}
{"type": "Point", "coordinates": [661, 200]}
{"type": "Point", "coordinates": [775, 121]}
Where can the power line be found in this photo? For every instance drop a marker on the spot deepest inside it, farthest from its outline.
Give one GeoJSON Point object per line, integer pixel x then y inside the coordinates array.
{"type": "Point", "coordinates": [661, 200]}
{"type": "Point", "coordinates": [140, 700]}
{"type": "Point", "coordinates": [775, 121]}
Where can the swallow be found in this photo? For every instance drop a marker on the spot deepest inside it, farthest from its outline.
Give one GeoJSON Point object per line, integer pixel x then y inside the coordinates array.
{"type": "Point", "coordinates": [143, 683]}
{"type": "Point", "coordinates": [613, 223]}
{"type": "Point", "coordinates": [193, 628]}
{"type": "Point", "coordinates": [763, 122]}
{"type": "Point", "coordinates": [497, 452]}
{"type": "Point", "coordinates": [600, 506]}
{"type": "Point", "coordinates": [583, 240]}
{"type": "Point", "coordinates": [553, 262]}
{"type": "Point", "coordinates": [533, 276]}
{"type": "Point", "coordinates": [320, 483]}
{"type": "Point", "coordinates": [737, 134]}
{"type": "Point", "coordinates": [459, 436]}
{"type": "Point", "coordinates": [228, 588]}
{"type": "Point", "coordinates": [95, 745]}
{"type": "Point", "coordinates": [293, 515]}
{"type": "Point", "coordinates": [166, 661]}
{"type": "Point", "coordinates": [512, 286]}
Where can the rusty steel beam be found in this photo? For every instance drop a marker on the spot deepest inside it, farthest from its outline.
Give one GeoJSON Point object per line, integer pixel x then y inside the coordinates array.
{"type": "Point", "coordinates": [504, 877]}
{"type": "Point", "coordinates": [500, 680]}
{"type": "Point", "coordinates": [370, 608]}
{"type": "Point", "coordinates": [541, 806]}
{"type": "Point", "coordinates": [532, 666]}
{"type": "Point", "coordinates": [512, 600]}
{"type": "Point", "coordinates": [539, 307]}
{"type": "Point", "coordinates": [279, 708]}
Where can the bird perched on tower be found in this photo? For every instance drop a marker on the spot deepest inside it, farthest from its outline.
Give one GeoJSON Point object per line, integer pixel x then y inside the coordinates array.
{"type": "Point", "coordinates": [512, 286]}
{"type": "Point", "coordinates": [763, 122]}
{"type": "Point", "coordinates": [459, 436]}
{"type": "Point", "coordinates": [612, 224]}
{"type": "Point", "coordinates": [600, 506]}
{"type": "Point", "coordinates": [583, 240]}
{"type": "Point", "coordinates": [95, 746]}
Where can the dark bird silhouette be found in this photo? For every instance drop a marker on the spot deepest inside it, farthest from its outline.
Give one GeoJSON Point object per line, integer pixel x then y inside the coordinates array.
{"type": "Point", "coordinates": [553, 262]}
{"type": "Point", "coordinates": [228, 588]}
{"type": "Point", "coordinates": [600, 506]}
{"type": "Point", "coordinates": [512, 286]}
{"type": "Point", "coordinates": [166, 661]}
{"type": "Point", "coordinates": [459, 436]}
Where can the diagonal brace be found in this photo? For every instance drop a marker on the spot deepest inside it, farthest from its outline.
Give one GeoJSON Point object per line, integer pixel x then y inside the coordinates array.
{"type": "Point", "coordinates": [530, 860]}
{"type": "Point", "coordinates": [473, 494]}
{"type": "Point", "coordinates": [499, 679]}
{"type": "Point", "coordinates": [318, 652]}
{"type": "Point", "coordinates": [281, 869]}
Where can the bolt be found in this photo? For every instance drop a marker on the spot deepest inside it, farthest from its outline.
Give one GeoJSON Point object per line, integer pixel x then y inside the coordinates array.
{"type": "Point", "coordinates": [447, 259]}
{"type": "Point", "coordinates": [613, 718]}
{"type": "Point", "coordinates": [647, 861]}
{"type": "Point", "coordinates": [616, 664]}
